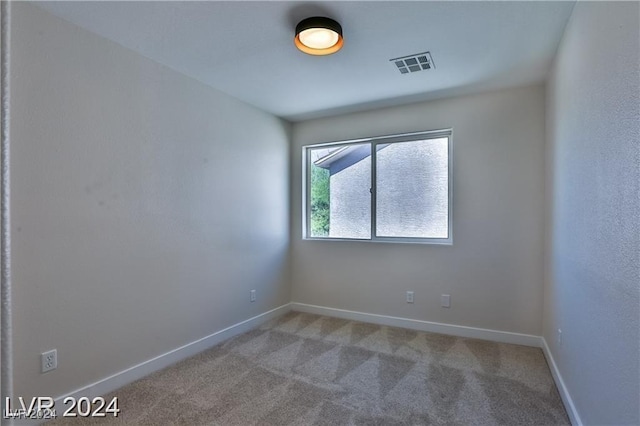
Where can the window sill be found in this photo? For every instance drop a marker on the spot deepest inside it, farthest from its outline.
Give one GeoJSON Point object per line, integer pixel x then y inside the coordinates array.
{"type": "Point", "coordinates": [438, 242]}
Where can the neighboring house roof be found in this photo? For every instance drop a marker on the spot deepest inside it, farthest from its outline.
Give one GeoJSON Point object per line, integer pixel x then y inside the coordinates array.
{"type": "Point", "coordinates": [339, 159]}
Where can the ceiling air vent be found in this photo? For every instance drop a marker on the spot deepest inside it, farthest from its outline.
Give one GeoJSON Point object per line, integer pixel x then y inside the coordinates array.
{"type": "Point", "coordinates": [413, 63]}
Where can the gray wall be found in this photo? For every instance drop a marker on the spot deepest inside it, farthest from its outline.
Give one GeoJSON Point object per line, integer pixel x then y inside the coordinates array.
{"type": "Point", "coordinates": [593, 234]}
{"type": "Point", "coordinates": [350, 201]}
{"type": "Point", "coordinates": [494, 270]}
{"type": "Point", "coordinates": [412, 197]}
{"type": "Point", "coordinates": [145, 206]}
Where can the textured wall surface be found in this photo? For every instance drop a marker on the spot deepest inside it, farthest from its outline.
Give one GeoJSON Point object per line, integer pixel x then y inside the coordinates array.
{"type": "Point", "coordinates": [350, 201]}
{"type": "Point", "coordinates": [6, 379]}
{"type": "Point", "coordinates": [412, 193]}
{"type": "Point", "coordinates": [412, 189]}
{"type": "Point", "coordinates": [494, 270]}
{"type": "Point", "coordinates": [592, 288]}
{"type": "Point", "coordinates": [144, 206]}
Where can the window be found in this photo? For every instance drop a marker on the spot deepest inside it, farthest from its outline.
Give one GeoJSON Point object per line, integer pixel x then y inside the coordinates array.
{"type": "Point", "coordinates": [390, 188]}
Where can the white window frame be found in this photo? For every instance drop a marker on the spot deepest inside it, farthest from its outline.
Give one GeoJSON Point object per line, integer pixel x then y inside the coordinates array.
{"type": "Point", "coordinates": [374, 141]}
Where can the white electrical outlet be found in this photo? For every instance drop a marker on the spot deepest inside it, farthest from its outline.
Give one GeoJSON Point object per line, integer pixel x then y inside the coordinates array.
{"type": "Point", "coordinates": [252, 296]}
{"type": "Point", "coordinates": [445, 301]}
{"type": "Point", "coordinates": [49, 360]}
{"type": "Point", "coordinates": [559, 337]}
{"type": "Point", "coordinates": [409, 297]}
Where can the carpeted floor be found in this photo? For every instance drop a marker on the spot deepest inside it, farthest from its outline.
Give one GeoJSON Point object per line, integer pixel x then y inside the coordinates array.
{"type": "Point", "coordinates": [304, 369]}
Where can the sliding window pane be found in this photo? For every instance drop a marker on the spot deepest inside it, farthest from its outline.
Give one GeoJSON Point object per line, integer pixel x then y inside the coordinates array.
{"type": "Point", "coordinates": [412, 180]}
{"type": "Point", "coordinates": [340, 196]}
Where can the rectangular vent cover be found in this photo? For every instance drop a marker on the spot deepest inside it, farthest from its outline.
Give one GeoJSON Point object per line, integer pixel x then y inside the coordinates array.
{"type": "Point", "coordinates": [413, 63]}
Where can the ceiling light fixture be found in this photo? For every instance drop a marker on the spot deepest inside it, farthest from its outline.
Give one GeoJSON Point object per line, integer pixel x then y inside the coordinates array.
{"type": "Point", "coordinates": [319, 36]}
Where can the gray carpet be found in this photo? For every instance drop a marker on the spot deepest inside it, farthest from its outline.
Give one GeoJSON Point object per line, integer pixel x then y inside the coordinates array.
{"type": "Point", "coordinates": [304, 369]}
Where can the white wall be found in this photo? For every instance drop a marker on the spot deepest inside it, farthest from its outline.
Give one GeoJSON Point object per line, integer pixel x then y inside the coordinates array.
{"type": "Point", "coordinates": [494, 270]}
{"type": "Point", "coordinates": [145, 206]}
{"type": "Point", "coordinates": [592, 287]}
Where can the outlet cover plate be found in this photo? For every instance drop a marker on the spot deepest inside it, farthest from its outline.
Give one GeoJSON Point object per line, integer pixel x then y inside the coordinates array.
{"type": "Point", "coordinates": [445, 301]}
{"type": "Point", "coordinates": [49, 360]}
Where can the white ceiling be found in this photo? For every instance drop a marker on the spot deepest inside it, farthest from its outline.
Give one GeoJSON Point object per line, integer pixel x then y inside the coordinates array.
{"type": "Point", "coordinates": [246, 49]}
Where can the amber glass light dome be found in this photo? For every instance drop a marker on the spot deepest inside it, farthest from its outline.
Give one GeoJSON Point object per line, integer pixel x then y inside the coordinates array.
{"type": "Point", "coordinates": [319, 36]}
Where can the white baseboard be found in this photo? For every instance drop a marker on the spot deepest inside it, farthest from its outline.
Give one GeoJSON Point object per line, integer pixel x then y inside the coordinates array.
{"type": "Point", "coordinates": [562, 388]}
{"type": "Point", "coordinates": [455, 330]}
{"type": "Point", "coordinates": [118, 380]}
{"type": "Point", "coordinates": [143, 369]}
{"type": "Point", "coordinates": [432, 327]}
